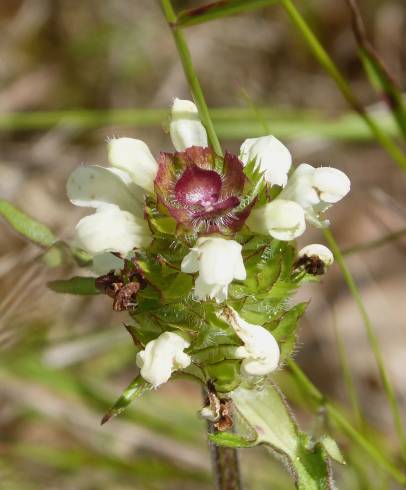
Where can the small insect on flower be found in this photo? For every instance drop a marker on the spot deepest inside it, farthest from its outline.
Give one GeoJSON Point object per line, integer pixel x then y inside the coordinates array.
{"type": "Point", "coordinates": [314, 259]}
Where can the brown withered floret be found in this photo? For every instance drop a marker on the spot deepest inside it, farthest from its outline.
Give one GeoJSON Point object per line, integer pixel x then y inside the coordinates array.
{"type": "Point", "coordinates": [122, 288]}
{"type": "Point", "coordinates": [312, 265]}
{"type": "Point", "coordinates": [221, 409]}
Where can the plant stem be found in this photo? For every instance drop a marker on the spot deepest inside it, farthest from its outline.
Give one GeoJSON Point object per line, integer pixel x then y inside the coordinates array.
{"type": "Point", "coordinates": [324, 59]}
{"type": "Point", "coordinates": [373, 340]}
{"type": "Point", "coordinates": [191, 76]}
{"type": "Point", "coordinates": [337, 415]}
{"type": "Point", "coordinates": [226, 466]}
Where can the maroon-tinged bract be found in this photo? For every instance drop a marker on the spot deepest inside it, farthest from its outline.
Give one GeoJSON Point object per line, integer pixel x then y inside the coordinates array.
{"type": "Point", "coordinates": [202, 191]}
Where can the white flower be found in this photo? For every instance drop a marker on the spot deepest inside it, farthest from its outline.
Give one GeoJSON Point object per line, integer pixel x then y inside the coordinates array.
{"type": "Point", "coordinates": [282, 219]}
{"type": "Point", "coordinates": [106, 262]}
{"type": "Point", "coordinates": [318, 250]}
{"type": "Point", "coordinates": [162, 356]}
{"type": "Point", "coordinates": [118, 224]}
{"type": "Point", "coordinates": [186, 130]}
{"type": "Point", "coordinates": [134, 157]}
{"type": "Point", "coordinates": [271, 157]}
{"type": "Point", "coordinates": [316, 189]}
{"type": "Point", "coordinates": [260, 352]}
{"type": "Point", "coordinates": [218, 262]}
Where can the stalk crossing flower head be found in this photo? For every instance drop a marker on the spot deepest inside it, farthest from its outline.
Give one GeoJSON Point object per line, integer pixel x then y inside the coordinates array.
{"type": "Point", "coordinates": [218, 262]}
{"type": "Point", "coordinates": [162, 356]}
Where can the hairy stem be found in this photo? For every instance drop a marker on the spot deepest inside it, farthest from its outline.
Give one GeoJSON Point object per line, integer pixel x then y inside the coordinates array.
{"type": "Point", "coordinates": [225, 465]}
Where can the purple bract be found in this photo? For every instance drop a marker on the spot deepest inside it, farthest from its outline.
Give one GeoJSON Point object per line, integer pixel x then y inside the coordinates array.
{"type": "Point", "coordinates": [201, 190]}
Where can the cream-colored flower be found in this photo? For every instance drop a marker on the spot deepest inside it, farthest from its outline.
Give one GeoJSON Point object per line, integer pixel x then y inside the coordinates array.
{"type": "Point", "coordinates": [162, 356]}
{"type": "Point", "coordinates": [271, 157]}
{"type": "Point", "coordinates": [219, 262]}
{"type": "Point", "coordinates": [260, 352]}
{"type": "Point", "coordinates": [186, 130]}
{"type": "Point", "coordinates": [316, 189]}
{"type": "Point", "coordinates": [282, 219]}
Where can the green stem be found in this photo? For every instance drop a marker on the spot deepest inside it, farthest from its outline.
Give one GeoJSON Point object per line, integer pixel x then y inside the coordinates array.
{"type": "Point", "coordinates": [324, 59]}
{"type": "Point", "coordinates": [336, 415]}
{"type": "Point", "coordinates": [345, 367]}
{"type": "Point", "coordinates": [191, 75]}
{"type": "Point", "coordinates": [390, 237]}
{"type": "Point", "coordinates": [373, 340]}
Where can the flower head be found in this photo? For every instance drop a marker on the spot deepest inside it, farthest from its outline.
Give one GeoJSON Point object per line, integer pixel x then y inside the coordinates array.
{"type": "Point", "coordinates": [218, 262]}
{"type": "Point", "coordinates": [260, 352]}
{"type": "Point", "coordinates": [202, 191]}
{"type": "Point", "coordinates": [162, 356]}
{"type": "Point", "coordinates": [316, 189]}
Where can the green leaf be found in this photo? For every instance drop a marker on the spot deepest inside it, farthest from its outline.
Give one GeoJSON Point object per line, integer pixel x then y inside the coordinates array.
{"type": "Point", "coordinates": [134, 390]}
{"type": "Point", "coordinates": [177, 286]}
{"type": "Point", "coordinates": [75, 285]}
{"type": "Point", "coordinates": [229, 439]}
{"type": "Point", "coordinates": [266, 410]}
{"type": "Point", "coordinates": [225, 375]}
{"type": "Point", "coordinates": [332, 449]}
{"type": "Point", "coordinates": [216, 10]}
{"type": "Point", "coordinates": [286, 330]}
{"type": "Point", "coordinates": [26, 226]}
{"type": "Point", "coordinates": [212, 355]}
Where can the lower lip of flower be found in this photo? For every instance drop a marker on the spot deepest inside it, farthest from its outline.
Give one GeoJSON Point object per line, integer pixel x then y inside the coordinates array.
{"type": "Point", "coordinates": [198, 186]}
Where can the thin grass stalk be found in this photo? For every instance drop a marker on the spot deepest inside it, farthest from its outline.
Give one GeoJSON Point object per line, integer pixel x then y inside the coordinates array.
{"type": "Point", "coordinates": [341, 420]}
{"type": "Point", "coordinates": [347, 375]}
{"type": "Point", "coordinates": [373, 340]}
{"type": "Point", "coordinates": [325, 60]}
{"type": "Point", "coordinates": [191, 75]}
{"type": "Point", "coordinates": [390, 237]}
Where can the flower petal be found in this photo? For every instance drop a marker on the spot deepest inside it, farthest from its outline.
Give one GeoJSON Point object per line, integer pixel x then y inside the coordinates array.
{"type": "Point", "coordinates": [162, 356]}
{"type": "Point", "coordinates": [186, 130]}
{"type": "Point", "coordinates": [112, 230]}
{"type": "Point", "coordinates": [332, 184]}
{"type": "Point", "coordinates": [271, 156]}
{"type": "Point", "coordinates": [106, 262]}
{"type": "Point", "coordinates": [134, 157]}
{"type": "Point", "coordinates": [317, 250]}
{"type": "Point", "coordinates": [93, 186]}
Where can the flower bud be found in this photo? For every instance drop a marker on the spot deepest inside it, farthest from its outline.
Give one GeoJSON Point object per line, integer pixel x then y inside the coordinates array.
{"type": "Point", "coordinates": [186, 130]}
{"type": "Point", "coordinates": [218, 262]}
{"type": "Point", "coordinates": [319, 251]}
{"type": "Point", "coordinates": [162, 356]}
{"type": "Point", "coordinates": [134, 157]}
{"type": "Point", "coordinates": [260, 352]}
{"type": "Point", "coordinates": [282, 219]}
{"type": "Point", "coordinates": [271, 157]}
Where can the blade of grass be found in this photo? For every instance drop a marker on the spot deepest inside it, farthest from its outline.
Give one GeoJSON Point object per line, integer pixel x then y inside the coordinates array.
{"type": "Point", "coordinates": [325, 60]}
{"type": "Point", "coordinates": [347, 375]}
{"type": "Point", "coordinates": [340, 419]}
{"type": "Point", "coordinates": [372, 338]}
{"type": "Point", "coordinates": [191, 76]}
{"type": "Point", "coordinates": [390, 237]}
{"type": "Point", "coordinates": [216, 10]}
{"type": "Point", "coordinates": [381, 79]}
{"type": "Point", "coordinates": [230, 123]}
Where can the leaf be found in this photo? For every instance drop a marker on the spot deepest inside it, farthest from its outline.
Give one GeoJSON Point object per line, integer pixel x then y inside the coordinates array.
{"type": "Point", "coordinates": [225, 375]}
{"type": "Point", "coordinates": [219, 9]}
{"type": "Point", "coordinates": [286, 331]}
{"type": "Point", "coordinates": [332, 449]}
{"type": "Point", "coordinates": [212, 355]}
{"type": "Point", "coordinates": [177, 286]}
{"type": "Point", "coordinates": [75, 285]}
{"type": "Point", "coordinates": [134, 390]}
{"type": "Point", "coordinates": [229, 439]}
{"type": "Point", "coordinates": [266, 410]}
{"type": "Point", "coordinates": [26, 226]}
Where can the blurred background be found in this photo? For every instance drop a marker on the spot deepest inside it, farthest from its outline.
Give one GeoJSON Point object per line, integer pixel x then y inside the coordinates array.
{"type": "Point", "coordinates": [65, 359]}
